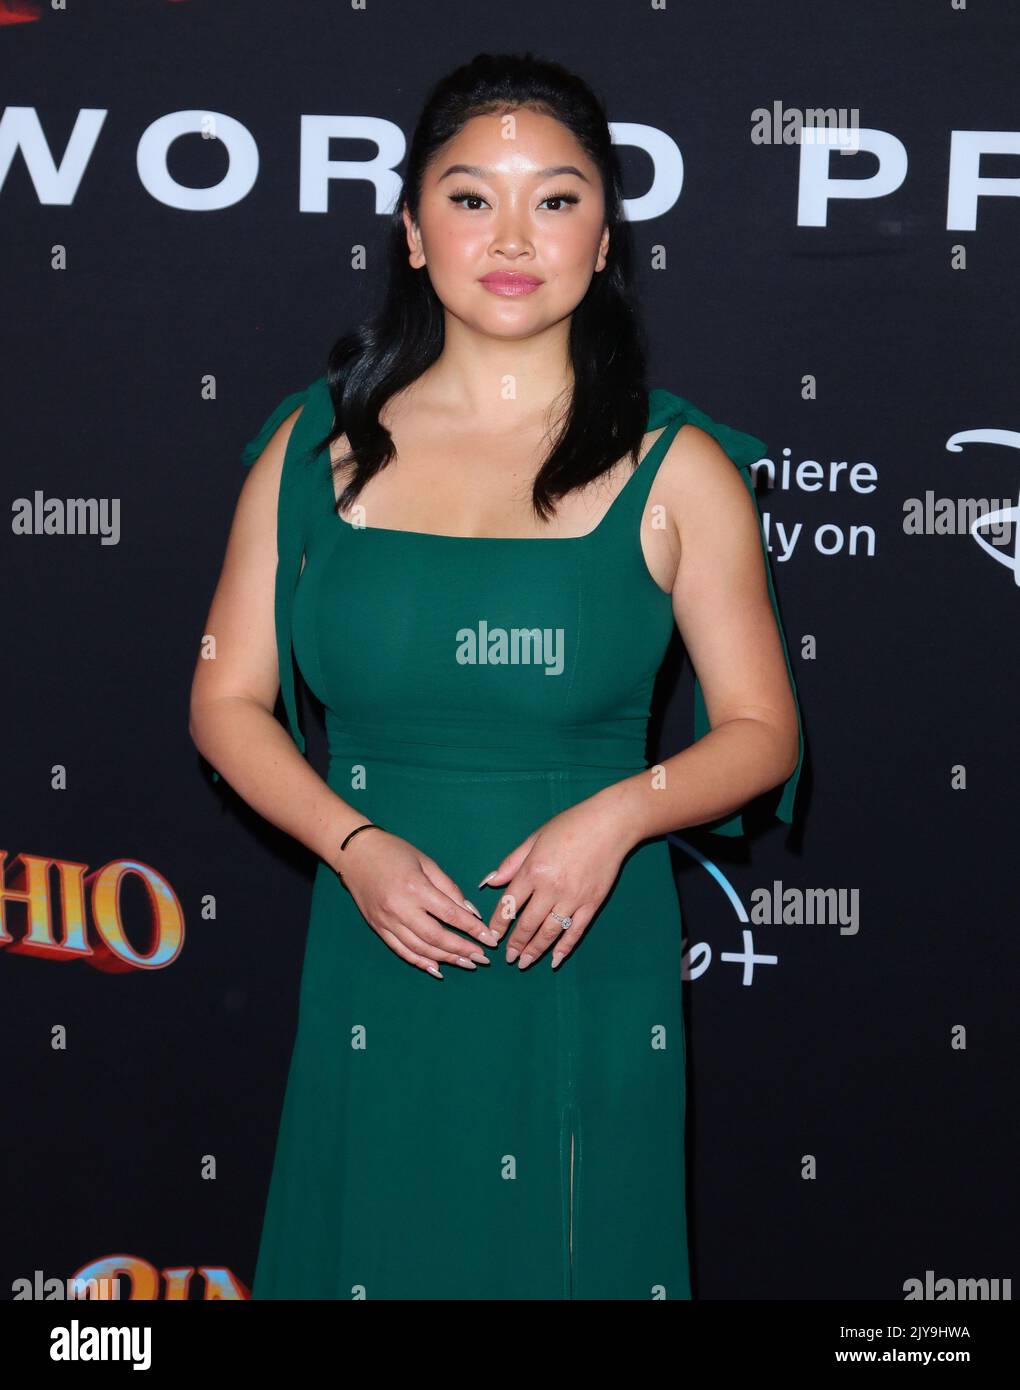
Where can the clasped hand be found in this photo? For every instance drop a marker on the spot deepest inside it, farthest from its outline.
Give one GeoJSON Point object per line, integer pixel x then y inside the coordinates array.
{"type": "Point", "coordinates": [562, 870]}
{"type": "Point", "coordinates": [556, 880]}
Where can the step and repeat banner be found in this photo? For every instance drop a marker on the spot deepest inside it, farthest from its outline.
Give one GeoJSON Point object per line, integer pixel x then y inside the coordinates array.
{"type": "Point", "coordinates": [825, 207]}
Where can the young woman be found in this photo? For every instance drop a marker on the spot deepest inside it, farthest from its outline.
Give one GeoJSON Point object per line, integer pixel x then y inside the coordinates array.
{"type": "Point", "coordinates": [476, 533]}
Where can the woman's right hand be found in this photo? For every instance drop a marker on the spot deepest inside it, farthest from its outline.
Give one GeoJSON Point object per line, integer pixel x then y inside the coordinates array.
{"type": "Point", "coordinates": [400, 892]}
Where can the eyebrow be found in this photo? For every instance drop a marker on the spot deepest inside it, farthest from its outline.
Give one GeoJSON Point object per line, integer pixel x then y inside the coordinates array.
{"type": "Point", "coordinates": [477, 172]}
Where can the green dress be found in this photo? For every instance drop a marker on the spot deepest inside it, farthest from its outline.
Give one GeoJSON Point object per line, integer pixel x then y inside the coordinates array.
{"type": "Point", "coordinates": [499, 1133]}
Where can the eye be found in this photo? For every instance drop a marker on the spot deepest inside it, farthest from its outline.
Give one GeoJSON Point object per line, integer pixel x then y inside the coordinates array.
{"type": "Point", "coordinates": [464, 195]}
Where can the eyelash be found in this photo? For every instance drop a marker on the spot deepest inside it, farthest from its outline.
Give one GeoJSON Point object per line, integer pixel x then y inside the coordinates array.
{"type": "Point", "coordinates": [564, 197]}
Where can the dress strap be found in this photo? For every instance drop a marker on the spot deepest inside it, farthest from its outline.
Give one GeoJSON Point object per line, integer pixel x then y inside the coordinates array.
{"type": "Point", "coordinates": [299, 491]}
{"type": "Point", "coordinates": [632, 498]}
{"type": "Point", "coordinates": [666, 409]}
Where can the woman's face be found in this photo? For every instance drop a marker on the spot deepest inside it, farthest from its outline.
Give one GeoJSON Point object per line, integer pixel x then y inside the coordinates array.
{"type": "Point", "coordinates": [489, 231]}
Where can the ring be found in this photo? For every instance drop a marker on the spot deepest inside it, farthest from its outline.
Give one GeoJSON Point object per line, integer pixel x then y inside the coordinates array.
{"type": "Point", "coordinates": [564, 922]}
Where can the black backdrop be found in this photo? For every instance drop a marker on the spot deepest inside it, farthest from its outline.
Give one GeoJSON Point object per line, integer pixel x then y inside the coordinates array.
{"type": "Point", "coordinates": [850, 1109]}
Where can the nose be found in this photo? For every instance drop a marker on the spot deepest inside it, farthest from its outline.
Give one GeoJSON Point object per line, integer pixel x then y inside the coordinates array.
{"type": "Point", "coordinates": [510, 237]}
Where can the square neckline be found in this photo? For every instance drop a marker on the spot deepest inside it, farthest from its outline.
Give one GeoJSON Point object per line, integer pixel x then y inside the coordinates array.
{"type": "Point", "coordinates": [497, 540]}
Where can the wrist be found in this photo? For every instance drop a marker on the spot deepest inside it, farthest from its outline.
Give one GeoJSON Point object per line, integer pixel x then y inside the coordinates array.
{"type": "Point", "coordinates": [621, 804]}
{"type": "Point", "coordinates": [341, 853]}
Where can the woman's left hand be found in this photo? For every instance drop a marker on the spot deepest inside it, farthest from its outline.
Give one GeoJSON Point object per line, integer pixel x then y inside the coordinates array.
{"type": "Point", "coordinates": [567, 867]}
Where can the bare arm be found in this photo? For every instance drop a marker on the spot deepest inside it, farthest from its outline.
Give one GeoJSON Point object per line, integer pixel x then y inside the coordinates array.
{"type": "Point", "coordinates": [722, 608]}
{"type": "Point", "coordinates": [237, 678]}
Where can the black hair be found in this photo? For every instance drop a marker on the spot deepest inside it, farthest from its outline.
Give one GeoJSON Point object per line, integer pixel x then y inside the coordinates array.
{"type": "Point", "coordinates": [608, 411]}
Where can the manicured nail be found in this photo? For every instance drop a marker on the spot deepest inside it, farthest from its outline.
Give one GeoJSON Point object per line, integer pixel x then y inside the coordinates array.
{"type": "Point", "coordinates": [433, 970]}
{"type": "Point", "coordinates": [471, 907]}
{"type": "Point", "coordinates": [486, 878]}
{"type": "Point", "coordinates": [557, 957]}
{"type": "Point", "coordinates": [511, 954]}
{"type": "Point", "coordinates": [465, 963]}
{"type": "Point", "coordinates": [482, 960]}
{"type": "Point", "coordinates": [525, 961]}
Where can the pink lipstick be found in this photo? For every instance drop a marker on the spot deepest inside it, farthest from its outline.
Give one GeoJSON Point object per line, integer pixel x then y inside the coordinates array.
{"type": "Point", "coordinates": [507, 283]}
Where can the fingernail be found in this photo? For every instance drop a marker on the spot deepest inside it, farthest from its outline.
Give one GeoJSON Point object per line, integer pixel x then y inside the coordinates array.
{"type": "Point", "coordinates": [471, 907]}
{"type": "Point", "coordinates": [482, 960]}
{"type": "Point", "coordinates": [557, 957]}
{"type": "Point", "coordinates": [511, 954]}
{"type": "Point", "coordinates": [486, 878]}
{"type": "Point", "coordinates": [434, 971]}
{"type": "Point", "coordinates": [489, 937]}
{"type": "Point", "coordinates": [525, 961]}
{"type": "Point", "coordinates": [465, 963]}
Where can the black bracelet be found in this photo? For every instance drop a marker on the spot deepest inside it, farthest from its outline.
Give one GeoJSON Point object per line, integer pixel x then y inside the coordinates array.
{"type": "Point", "coordinates": [369, 825]}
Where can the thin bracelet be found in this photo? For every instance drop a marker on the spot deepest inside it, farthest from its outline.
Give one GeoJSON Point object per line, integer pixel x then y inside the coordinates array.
{"type": "Point", "coordinates": [368, 825]}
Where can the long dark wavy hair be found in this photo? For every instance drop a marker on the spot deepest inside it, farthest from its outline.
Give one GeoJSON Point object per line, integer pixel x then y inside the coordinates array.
{"type": "Point", "coordinates": [608, 412]}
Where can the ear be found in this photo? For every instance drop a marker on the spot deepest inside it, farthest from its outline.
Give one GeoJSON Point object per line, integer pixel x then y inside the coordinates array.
{"type": "Point", "coordinates": [600, 263]}
{"type": "Point", "coordinates": [414, 246]}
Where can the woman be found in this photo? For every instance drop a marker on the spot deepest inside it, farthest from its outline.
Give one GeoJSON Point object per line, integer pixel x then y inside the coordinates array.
{"type": "Point", "coordinates": [480, 587]}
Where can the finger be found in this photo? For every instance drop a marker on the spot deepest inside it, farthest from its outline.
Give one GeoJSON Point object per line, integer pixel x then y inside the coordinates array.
{"type": "Point", "coordinates": [543, 936]}
{"type": "Point", "coordinates": [440, 879]}
{"type": "Point", "coordinates": [422, 962]}
{"type": "Point", "coordinates": [511, 904]}
{"type": "Point", "coordinates": [396, 908]}
{"type": "Point", "coordinates": [433, 900]}
{"type": "Point", "coordinates": [530, 921]}
{"type": "Point", "coordinates": [420, 945]}
{"type": "Point", "coordinates": [507, 867]}
{"type": "Point", "coordinates": [579, 921]}
{"type": "Point", "coordinates": [464, 953]}
{"type": "Point", "coordinates": [552, 933]}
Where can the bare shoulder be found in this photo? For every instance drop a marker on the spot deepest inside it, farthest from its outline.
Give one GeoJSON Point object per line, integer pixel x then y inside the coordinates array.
{"type": "Point", "coordinates": [697, 480]}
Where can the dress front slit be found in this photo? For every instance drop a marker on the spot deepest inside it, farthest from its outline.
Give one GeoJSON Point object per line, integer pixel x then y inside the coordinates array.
{"type": "Point", "coordinates": [572, 1129]}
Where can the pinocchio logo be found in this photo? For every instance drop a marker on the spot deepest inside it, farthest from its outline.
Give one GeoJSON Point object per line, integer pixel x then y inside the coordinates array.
{"type": "Point", "coordinates": [52, 907]}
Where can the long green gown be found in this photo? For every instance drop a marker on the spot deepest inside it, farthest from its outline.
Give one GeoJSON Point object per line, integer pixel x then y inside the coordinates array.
{"type": "Point", "coordinates": [499, 1133]}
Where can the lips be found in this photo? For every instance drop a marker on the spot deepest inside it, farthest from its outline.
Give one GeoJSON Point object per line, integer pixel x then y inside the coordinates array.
{"type": "Point", "coordinates": [505, 282]}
